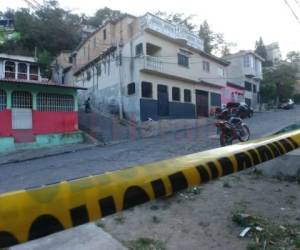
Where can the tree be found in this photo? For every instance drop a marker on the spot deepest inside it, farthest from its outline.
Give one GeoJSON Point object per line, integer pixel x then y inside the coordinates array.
{"type": "Point", "coordinates": [293, 57]}
{"type": "Point", "coordinates": [101, 15]}
{"type": "Point", "coordinates": [278, 83]}
{"type": "Point", "coordinates": [213, 43]}
{"type": "Point", "coordinates": [260, 48]}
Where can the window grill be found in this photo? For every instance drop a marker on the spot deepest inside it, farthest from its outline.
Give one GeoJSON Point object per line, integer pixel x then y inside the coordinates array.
{"type": "Point", "coordinates": [10, 70]}
{"type": "Point", "coordinates": [55, 103]}
{"type": "Point", "coordinates": [22, 99]}
{"type": "Point", "coordinates": [2, 100]}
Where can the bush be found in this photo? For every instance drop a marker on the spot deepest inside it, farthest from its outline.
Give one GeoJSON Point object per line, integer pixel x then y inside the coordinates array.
{"type": "Point", "coordinates": [297, 98]}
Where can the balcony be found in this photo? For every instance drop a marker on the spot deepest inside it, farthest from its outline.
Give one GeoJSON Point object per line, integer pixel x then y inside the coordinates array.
{"type": "Point", "coordinates": [252, 73]}
{"type": "Point", "coordinates": [176, 32]}
{"type": "Point", "coordinates": [170, 69]}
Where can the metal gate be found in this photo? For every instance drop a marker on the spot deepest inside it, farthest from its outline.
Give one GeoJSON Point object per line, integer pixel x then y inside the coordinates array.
{"type": "Point", "coordinates": [202, 103]}
{"type": "Point", "coordinates": [21, 110]}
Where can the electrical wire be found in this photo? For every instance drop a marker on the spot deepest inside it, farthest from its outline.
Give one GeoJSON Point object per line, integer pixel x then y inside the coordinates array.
{"type": "Point", "coordinates": [292, 10]}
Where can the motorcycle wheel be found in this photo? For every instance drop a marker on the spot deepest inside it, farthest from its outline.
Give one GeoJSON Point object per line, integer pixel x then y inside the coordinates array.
{"type": "Point", "coordinates": [225, 140]}
{"type": "Point", "coordinates": [245, 133]}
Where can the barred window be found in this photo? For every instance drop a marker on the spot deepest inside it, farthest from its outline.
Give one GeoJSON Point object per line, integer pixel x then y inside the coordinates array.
{"type": "Point", "coordinates": [2, 100]}
{"type": "Point", "coordinates": [10, 70]}
{"type": "Point", "coordinates": [55, 102]}
{"type": "Point", "coordinates": [22, 99]}
{"type": "Point", "coordinates": [22, 71]}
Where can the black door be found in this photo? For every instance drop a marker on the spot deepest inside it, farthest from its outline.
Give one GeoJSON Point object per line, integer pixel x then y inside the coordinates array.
{"type": "Point", "coordinates": [162, 100]}
{"type": "Point", "coordinates": [248, 102]}
{"type": "Point", "coordinates": [202, 103]}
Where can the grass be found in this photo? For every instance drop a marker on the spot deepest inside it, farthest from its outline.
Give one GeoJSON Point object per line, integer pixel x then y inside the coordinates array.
{"type": "Point", "coordinates": [273, 236]}
{"type": "Point", "coordinates": [119, 219]}
{"type": "Point", "coordinates": [146, 244]}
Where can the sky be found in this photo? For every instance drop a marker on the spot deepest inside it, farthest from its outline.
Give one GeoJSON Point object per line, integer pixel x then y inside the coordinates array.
{"type": "Point", "coordinates": [241, 21]}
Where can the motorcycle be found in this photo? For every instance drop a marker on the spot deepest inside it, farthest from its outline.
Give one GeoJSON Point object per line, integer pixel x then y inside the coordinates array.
{"type": "Point", "coordinates": [232, 129]}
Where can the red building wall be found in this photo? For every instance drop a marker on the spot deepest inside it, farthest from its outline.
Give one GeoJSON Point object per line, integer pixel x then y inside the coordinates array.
{"type": "Point", "coordinates": [5, 123]}
{"type": "Point", "coordinates": [54, 122]}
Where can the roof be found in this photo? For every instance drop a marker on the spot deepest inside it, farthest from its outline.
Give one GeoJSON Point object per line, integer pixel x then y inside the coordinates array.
{"type": "Point", "coordinates": [242, 53]}
{"type": "Point", "coordinates": [19, 58]}
{"type": "Point", "coordinates": [215, 58]}
{"type": "Point", "coordinates": [41, 83]}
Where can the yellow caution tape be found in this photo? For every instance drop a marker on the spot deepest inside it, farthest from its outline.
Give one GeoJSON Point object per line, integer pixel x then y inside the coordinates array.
{"type": "Point", "coordinates": [30, 214]}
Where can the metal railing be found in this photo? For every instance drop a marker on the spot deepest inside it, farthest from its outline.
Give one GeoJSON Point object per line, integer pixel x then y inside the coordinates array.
{"type": "Point", "coordinates": [30, 214]}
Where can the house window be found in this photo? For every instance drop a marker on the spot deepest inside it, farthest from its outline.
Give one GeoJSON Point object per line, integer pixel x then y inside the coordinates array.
{"type": "Point", "coordinates": [22, 71]}
{"type": "Point", "coordinates": [104, 34]}
{"type": "Point", "coordinates": [34, 72]}
{"type": "Point", "coordinates": [246, 61]}
{"type": "Point", "coordinates": [139, 49]}
{"type": "Point", "coordinates": [175, 94]}
{"type": "Point", "coordinates": [2, 100]}
{"type": "Point", "coordinates": [88, 75]}
{"type": "Point", "coordinates": [254, 88]}
{"type": "Point", "coordinates": [215, 99]}
{"type": "Point", "coordinates": [47, 102]}
{"type": "Point", "coordinates": [131, 88]}
{"type": "Point", "coordinates": [221, 72]}
{"type": "Point", "coordinates": [205, 66]}
{"type": "Point", "coordinates": [147, 89]}
{"type": "Point", "coordinates": [10, 70]}
{"type": "Point", "coordinates": [95, 42]}
{"type": "Point", "coordinates": [248, 86]}
{"type": "Point", "coordinates": [187, 95]}
{"type": "Point", "coordinates": [183, 60]}
{"type": "Point", "coordinates": [22, 99]}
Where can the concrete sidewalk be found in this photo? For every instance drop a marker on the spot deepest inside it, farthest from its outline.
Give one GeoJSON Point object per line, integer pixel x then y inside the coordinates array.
{"type": "Point", "coordinates": [83, 237]}
{"type": "Point", "coordinates": [27, 155]}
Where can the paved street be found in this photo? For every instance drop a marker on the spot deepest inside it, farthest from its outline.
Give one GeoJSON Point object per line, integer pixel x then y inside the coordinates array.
{"type": "Point", "coordinates": [101, 159]}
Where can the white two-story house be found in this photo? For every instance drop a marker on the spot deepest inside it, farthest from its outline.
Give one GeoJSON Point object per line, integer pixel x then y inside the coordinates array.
{"type": "Point", "coordinates": [244, 77]}
{"type": "Point", "coordinates": [145, 67]}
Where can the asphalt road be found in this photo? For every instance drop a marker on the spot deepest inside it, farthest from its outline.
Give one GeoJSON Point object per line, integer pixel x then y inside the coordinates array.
{"type": "Point", "coordinates": [102, 159]}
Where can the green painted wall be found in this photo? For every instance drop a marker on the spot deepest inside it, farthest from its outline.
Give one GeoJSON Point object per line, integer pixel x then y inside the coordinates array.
{"type": "Point", "coordinates": [35, 89]}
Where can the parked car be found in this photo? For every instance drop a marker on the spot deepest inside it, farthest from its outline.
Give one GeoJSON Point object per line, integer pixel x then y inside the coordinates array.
{"type": "Point", "coordinates": [286, 104]}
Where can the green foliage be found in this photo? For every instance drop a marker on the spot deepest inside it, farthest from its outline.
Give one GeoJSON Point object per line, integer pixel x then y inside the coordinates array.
{"type": "Point", "coordinates": [260, 48]}
{"type": "Point", "coordinates": [278, 83]}
{"type": "Point", "coordinates": [296, 98]}
{"type": "Point", "coordinates": [44, 59]}
{"type": "Point", "coordinates": [146, 244]}
{"type": "Point", "coordinates": [101, 15]}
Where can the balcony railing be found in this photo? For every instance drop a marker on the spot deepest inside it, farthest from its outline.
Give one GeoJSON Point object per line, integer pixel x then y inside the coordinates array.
{"type": "Point", "coordinates": [177, 32]}
{"type": "Point", "coordinates": [153, 63]}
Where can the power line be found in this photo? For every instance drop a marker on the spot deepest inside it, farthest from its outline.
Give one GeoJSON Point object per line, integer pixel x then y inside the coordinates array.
{"type": "Point", "coordinates": [291, 9]}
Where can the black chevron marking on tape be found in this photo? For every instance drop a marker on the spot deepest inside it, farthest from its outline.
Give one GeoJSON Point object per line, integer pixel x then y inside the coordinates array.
{"type": "Point", "coordinates": [226, 165]}
{"type": "Point", "coordinates": [279, 147]}
{"type": "Point", "coordinates": [243, 161]}
{"type": "Point", "coordinates": [44, 225]}
{"type": "Point", "coordinates": [291, 140]}
{"type": "Point", "coordinates": [203, 173]}
{"type": "Point", "coordinates": [213, 169]}
{"type": "Point", "coordinates": [287, 146]}
{"type": "Point", "coordinates": [134, 195]}
{"type": "Point", "coordinates": [254, 156]}
{"type": "Point", "coordinates": [178, 181]}
{"type": "Point", "coordinates": [265, 153]}
{"type": "Point", "coordinates": [79, 215]}
{"type": "Point", "coordinates": [274, 149]}
{"type": "Point", "coordinates": [107, 206]}
{"type": "Point", "coordinates": [158, 188]}
{"type": "Point", "coordinates": [7, 240]}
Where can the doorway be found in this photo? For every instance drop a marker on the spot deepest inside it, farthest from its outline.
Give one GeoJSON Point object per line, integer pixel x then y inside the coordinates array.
{"type": "Point", "coordinates": [162, 100]}
{"type": "Point", "coordinates": [202, 103]}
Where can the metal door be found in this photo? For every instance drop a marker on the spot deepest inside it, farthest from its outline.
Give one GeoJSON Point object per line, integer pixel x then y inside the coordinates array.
{"type": "Point", "coordinates": [202, 103]}
{"type": "Point", "coordinates": [162, 100]}
{"type": "Point", "coordinates": [21, 110]}
{"type": "Point", "coordinates": [21, 118]}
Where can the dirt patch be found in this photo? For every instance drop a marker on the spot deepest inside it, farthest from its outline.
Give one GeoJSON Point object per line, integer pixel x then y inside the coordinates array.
{"type": "Point", "coordinates": [201, 217]}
